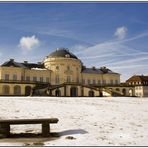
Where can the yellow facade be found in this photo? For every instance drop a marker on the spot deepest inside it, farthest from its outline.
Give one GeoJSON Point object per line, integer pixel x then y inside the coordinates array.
{"type": "Point", "coordinates": [64, 74]}
{"type": "Point", "coordinates": [62, 68]}
{"type": "Point", "coordinates": [22, 78]}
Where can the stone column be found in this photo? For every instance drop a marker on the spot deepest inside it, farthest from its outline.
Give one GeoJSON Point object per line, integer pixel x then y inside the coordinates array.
{"type": "Point", "coordinates": [65, 91]}
{"type": "Point", "coordinates": [82, 91]}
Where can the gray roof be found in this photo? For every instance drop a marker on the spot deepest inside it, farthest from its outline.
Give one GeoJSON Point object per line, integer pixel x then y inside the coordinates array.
{"type": "Point", "coordinates": [11, 62]}
{"type": "Point", "coordinates": [98, 71]}
{"type": "Point", "coordinates": [91, 70]}
{"type": "Point", "coordinates": [62, 52]}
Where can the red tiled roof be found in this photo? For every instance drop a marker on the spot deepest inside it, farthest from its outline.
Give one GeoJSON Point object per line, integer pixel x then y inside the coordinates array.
{"type": "Point", "coordinates": [138, 78]}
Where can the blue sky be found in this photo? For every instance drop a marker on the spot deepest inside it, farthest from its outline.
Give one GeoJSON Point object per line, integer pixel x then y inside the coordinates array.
{"type": "Point", "coordinates": [100, 34]}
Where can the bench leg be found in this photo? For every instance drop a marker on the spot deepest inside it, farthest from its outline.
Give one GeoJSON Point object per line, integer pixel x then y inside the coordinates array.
{"type": "Point", "coordinates": [45, 129]}
{"type": "Point", "coordinates": [4, 130]}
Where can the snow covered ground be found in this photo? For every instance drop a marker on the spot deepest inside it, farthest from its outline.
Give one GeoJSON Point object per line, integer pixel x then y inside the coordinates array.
{"type": "Point", "coordinates": [118, 121]}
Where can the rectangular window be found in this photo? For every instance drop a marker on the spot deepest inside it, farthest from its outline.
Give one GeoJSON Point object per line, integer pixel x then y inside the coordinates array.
{"type": "Point", "coordinates": [6, 76]}
{"type": "Point", "coordinates": [68, 68]}
{"type": "Point", "coordinates": [68, 79]}
{"type": "Point", "coordinates": [47, 79]}
{"type": "Point", "coordinates": [57, 79]}
{"type": "Point", "coordinates": [88, 81]}
{"type": "Point", "coordinates": [15, 77]}
{"type": "Point", "coordinates": [104, 81]}
{"type": "Point", "coordinates": [34, 79]}
{"type": "Point", "coordinates": [94, 81]}
{"type": "Point", "coordinates": [116, 81]}
{"type": "Point", "coordinates": [22, 78]}
{"type": "Point", "coordinates": [99, 82]}
{"type": "Point", "coordinates": [27, 78]}
{"type": "Point", "coordinates": [111, 81]}
{"type": "Point", "coordinates": [41, 79]}
{"type": "Point", "coordinates": [77, 80]}
{"type": "Point", "coordinates": [83, 81]}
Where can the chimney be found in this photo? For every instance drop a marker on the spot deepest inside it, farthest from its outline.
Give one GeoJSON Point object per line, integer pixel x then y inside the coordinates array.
{"type": "Point", "coordinates": [84, 67]}
{"type": "Point", "coordinates": [25, 62]}
{"type": "Point", "coordinates": [12, 60]}
{"type": "Point", "coordinates": [39, 63]}
{"type": "Point", "coordinates": [93, 67]}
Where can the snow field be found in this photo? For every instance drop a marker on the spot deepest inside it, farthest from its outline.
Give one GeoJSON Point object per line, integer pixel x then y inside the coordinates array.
{"type": "Point", "coordinates": [106, 121]}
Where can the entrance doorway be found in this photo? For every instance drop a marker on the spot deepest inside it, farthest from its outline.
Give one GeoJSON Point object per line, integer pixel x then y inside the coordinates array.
{"type": "Point", "coordinates": [57, 93]}
{"type": "Point", "coordinates": [73, 92]}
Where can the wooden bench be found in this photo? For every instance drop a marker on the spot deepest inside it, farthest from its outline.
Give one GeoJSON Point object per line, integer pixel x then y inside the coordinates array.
{"type": "Point", "coordinates": [5, 125]}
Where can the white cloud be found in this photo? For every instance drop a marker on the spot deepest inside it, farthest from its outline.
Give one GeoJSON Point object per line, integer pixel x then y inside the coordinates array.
{"type": "Point", "coordinates": [28, 43]}
{"type": "Point", "coordinates": [78, 48]}
{"type": "Point", "coordinates": [117, 56]}
{"type": "Point", "coordinates": [121, 32]}
{"type": "Point", "coordinates": [1, 54]}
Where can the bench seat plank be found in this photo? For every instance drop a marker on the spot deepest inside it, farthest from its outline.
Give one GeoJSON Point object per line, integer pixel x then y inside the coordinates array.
{"type": "Point", "coordinates": [29, 121]}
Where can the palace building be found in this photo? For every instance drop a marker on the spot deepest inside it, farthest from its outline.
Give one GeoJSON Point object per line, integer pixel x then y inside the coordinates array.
{"type": "Point", "coordinates": [140, 83]}
{"type": "Point", "coordinates": [60, 74]}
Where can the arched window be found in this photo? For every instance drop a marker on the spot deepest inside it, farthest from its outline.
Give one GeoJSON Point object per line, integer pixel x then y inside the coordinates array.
{"type": "Point", "coordinates": [27, 90]}
{"type": "Point", "coordinates": [6, 90]}
{"type": "Point", "coordinates": [17, 90]}
{"type": "Point", "coordinates": [91, 93]}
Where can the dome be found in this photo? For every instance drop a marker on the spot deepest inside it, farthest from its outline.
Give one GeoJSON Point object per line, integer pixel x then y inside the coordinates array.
{"type": "Point", "coordinates": [62, 52]}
